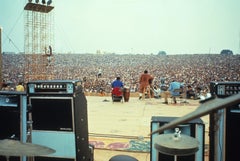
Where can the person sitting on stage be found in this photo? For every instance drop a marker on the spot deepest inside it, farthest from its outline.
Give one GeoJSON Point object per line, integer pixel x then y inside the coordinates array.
{"type": "Point", "coordinates": [117, 87]}
{"type": "Point", "coordinates": [190, 93]}
{"type": "Point", "coordinates": [163, 86]}
{"type": "Point", "coordinates": [117, 83]}
{"type": "Point", "coordinates": [171, 91]}
{"type": "Point", "coordinates": [156, 92]}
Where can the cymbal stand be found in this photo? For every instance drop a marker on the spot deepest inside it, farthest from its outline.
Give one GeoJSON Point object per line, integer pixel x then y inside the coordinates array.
{"type": "Point", "coordinates": [7, 158]}
{"type": "Point", "coordinates": [177, 136]}
{"type": "Point", "coordinates": [29, 128]}
{"type": "Point", "coordinates": [29, 132]}
{"type": "Point", "coordinates": [175, 157]}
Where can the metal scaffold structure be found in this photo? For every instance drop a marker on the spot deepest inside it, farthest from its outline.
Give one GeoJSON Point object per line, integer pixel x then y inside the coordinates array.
{"type": "Point", "coordinates": [38, 41]}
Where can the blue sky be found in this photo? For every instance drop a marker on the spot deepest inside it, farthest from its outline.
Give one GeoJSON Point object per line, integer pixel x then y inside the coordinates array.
{"type": "Point", "coordinates": [132, 26]}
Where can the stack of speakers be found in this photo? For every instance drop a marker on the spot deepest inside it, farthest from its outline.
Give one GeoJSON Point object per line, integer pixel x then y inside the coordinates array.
{"type": "Point", "coordinates": [52, 114]}
{"type": "Point", "coordinates": [224, 133]}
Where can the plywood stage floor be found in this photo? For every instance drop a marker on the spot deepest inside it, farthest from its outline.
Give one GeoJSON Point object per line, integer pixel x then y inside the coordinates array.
{"type": "Point", "coordinates": [113, 125]}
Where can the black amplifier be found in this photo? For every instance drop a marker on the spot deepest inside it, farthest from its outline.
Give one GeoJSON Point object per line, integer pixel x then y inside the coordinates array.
{"type": "Point", "coordinates": [54, 87]}
{"type": "Point", "coordinates": [224, 89]}
{"type": "Point", "coordinates": [13, 119]}
{"type": "Point", "coordinates": [223, 136]}
{"type": "Point", "coordinates": [59, 119]}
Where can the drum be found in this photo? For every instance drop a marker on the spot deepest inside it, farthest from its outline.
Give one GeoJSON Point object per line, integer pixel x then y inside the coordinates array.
{"type": "Point", "coordinates": [126, 94]}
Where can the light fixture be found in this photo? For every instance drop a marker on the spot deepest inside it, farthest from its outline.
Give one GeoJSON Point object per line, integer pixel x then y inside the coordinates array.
{"type": "Point", "coordinates": [50, 50]}
{"type": "Point", "coordinates": [49, 2]}
{"type": "Point", "coordinates": [43, 2]}
{"type": "Point", "coordinates": [29, 1]}
{"type": "Point", "coordinates": [36, 1]}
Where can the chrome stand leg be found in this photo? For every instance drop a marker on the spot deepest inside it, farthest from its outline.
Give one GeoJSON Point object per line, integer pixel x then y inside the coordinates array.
{"type": "Point", "coordinates": [7, 158]}
{"type": "Point", "coordinates": [175, 157]}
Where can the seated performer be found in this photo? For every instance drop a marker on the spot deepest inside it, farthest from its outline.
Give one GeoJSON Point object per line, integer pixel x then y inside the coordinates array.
{"type": "Point", "coordinates": [190, 93]}
{"type": "Point", "coordinates": [156, 92]}
{"type": "Point", "coordinates": [117, 83]}
{"type": "Point", "coordinates": [117, 88]}
{"type": "Point", "coordinates": [171, 91]}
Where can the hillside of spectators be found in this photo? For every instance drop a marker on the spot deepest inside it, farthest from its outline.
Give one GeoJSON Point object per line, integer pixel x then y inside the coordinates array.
{"type": "Point", "coordinates": [196, 70]}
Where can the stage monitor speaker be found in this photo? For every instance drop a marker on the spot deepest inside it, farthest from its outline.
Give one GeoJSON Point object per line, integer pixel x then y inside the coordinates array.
{"type": "Point", "coordinates": [194, 128]}
{"type": "Point", "coordinates": [59, 119]}
{"type": "Point", "coordinates": [13, 119]}
{"type": "Point", "coordinates": [224, 89]}
{"type": "Point", "coordinates": [224, 134]}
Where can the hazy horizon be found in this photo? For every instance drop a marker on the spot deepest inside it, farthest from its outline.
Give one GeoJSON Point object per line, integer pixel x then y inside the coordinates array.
{"type": "Point", "coordinates": [132, 26]}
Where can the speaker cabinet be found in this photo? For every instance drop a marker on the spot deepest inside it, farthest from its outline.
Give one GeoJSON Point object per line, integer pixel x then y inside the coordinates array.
{"type": "Point", "coordinates": [13, 119]}
{"type": "Point", "coordinates": [224, 135]}
{"type": "Point", "coordinates": [59, 120]}
{"type": "Point", "coordinates": [194, 128]}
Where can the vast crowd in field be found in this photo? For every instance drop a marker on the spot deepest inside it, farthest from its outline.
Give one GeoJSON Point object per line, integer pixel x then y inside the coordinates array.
{"type": "Point", "coordinates": [197, 70]}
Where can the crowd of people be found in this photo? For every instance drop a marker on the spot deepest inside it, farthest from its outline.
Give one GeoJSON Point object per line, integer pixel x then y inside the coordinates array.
{"type": "Point", "coordinates": [97, 71]}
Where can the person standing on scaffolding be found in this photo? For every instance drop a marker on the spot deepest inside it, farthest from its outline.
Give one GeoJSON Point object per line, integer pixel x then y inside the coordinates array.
{"type": "Point", "coordinates": [145, 82]}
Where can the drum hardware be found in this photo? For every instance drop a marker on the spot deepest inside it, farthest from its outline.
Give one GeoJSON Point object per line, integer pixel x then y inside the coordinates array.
{"type": "Point", "coordinates": [10, 147]}
{"type": "Point", "coordinates": [176, 144]}
{"type": "Point", "coordinates": [29, 124]}
{"type": "Point", "coordinates": [205, 108]}
{"type": "Point", "coordinates": [29, 128]}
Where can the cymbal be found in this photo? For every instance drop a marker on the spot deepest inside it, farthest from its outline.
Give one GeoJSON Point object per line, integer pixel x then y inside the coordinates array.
{"type": "Point", "coordinates": [173, 145]}
{"type": "Point", "coordinates": [10, 147]}
{"type": "Point", "coordinates": [203, 109]}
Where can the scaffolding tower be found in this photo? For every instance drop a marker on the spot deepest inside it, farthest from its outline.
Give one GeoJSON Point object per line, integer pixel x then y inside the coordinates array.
{"type": "Point", "coordinates": [38, 41]}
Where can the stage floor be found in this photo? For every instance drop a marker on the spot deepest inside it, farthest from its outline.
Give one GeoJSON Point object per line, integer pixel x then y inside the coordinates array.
{"type": "Point", "coordinates": [112, 122]}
